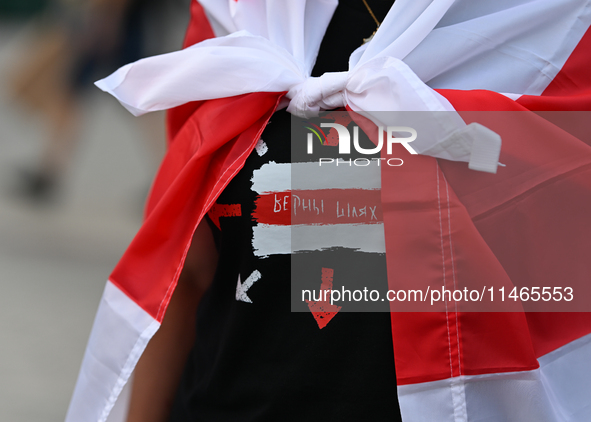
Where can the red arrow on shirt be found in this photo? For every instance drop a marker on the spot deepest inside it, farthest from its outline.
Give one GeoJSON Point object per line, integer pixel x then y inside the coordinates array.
{"type": "Point", "coordinates": [223, 210]}
{"type": "Point", "coordinates": [322, 310]}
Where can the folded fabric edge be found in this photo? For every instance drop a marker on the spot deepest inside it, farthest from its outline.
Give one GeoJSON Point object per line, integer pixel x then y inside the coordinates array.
{"type": "Point", "coordinates": [107, 366]}
{"type": "Point", "coordinates": [561, 381]}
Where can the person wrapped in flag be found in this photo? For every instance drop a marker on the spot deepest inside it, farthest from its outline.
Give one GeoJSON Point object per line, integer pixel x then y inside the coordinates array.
{"type": "Point", "coordinates": [218, 214]}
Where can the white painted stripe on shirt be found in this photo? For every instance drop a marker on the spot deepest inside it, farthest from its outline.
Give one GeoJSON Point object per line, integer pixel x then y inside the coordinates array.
{"type": "Point", "coordinates": [274, 177]}
{"type": "Point", "coordinates": [280, 240]}
{"type": "Point", "coordinates": [261, 147]}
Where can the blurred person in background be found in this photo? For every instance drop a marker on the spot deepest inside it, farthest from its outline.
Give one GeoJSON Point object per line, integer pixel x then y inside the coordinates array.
{"type": "Point", "coordinates": [76, 42]}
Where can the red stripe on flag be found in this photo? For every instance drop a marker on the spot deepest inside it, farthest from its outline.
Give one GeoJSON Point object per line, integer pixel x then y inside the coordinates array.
{"type": "Point", "coordinates": [198, 30]}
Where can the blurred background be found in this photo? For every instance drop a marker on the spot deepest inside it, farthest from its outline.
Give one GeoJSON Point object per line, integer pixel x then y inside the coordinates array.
{"type": "Point", "coordinates": [75, 169]}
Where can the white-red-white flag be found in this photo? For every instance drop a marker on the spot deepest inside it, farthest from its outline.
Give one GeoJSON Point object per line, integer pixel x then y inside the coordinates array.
{"type": "Point", "coordinates": [529, 221]}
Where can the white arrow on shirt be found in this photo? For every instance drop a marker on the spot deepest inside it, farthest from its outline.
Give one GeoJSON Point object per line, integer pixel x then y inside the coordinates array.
{"type": "Point", "coordinates": [242, 288]}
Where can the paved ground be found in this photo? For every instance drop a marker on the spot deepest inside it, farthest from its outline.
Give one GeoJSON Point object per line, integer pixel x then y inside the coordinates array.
{"type": "Point", "coordinates": [55, 260]}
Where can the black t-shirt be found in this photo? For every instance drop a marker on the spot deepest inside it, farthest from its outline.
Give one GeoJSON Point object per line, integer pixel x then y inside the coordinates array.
{"type": "Point", "coordinates": [254, 359]}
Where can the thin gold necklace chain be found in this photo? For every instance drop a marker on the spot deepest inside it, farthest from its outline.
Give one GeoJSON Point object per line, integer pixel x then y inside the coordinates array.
{"type": "Point", "coordinates": [371, 13]}
{"type": "Point", "coordinates": [368, 39]}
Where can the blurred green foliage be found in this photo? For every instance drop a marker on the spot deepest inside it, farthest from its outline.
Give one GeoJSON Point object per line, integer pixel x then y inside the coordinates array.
{"type": "Point", "coordinates": [21, 8]}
